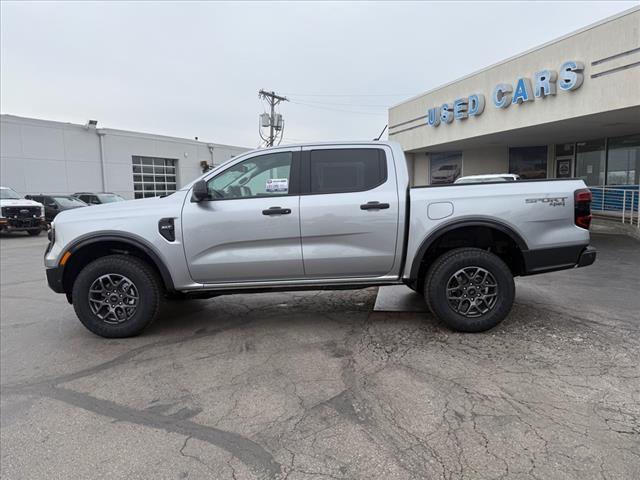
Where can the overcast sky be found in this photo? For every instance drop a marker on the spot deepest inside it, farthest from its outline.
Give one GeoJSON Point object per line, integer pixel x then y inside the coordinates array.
{"type": "Point", "coordinates": [194, 69]}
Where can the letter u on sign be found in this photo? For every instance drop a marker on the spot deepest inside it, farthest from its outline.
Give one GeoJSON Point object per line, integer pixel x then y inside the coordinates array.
{"type": "Point", "coordinates": [433, 117]}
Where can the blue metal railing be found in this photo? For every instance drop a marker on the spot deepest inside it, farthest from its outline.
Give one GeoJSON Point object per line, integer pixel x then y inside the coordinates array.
{"type": "Point", "coordinates": [619, 200]}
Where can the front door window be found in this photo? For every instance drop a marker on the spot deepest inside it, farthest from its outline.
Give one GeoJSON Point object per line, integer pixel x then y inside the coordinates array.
{"type": "Point", "coordinates": [264, 176]}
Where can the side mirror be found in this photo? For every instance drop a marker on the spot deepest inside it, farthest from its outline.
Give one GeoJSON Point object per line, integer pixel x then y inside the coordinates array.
{"type": "Point", "coordinates": [200, 191]}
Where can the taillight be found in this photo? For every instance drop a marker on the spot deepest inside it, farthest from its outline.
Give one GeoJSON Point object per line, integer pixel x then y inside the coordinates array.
{"type": "Point", "coordinates": [582, 200]}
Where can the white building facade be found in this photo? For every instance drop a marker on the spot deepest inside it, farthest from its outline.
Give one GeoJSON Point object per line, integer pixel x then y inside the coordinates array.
{"type": "Point", "coordinates": [41, 156]}
{"type": "Point", "coordinates": [569, 108]}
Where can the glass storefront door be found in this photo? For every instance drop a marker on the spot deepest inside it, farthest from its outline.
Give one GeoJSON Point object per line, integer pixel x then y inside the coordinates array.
{"type": "Point", "coordinates": [590, 161]}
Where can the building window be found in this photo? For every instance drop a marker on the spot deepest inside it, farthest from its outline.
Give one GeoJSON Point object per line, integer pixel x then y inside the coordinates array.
{"type": "Point", "coordinates": [446, 167]}
{"type": "Point", "coordinates": [528, 162]}
{"type": "Point", "coordinates": [590, 161]}
{"type": "Point", "coordinates": [623, 162]}
{"type": "Point", "coordinates": [153, 177]}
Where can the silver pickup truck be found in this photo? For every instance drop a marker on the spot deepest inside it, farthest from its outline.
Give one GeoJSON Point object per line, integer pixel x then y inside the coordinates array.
{"type": "Point", "coordinates": [317, 216]}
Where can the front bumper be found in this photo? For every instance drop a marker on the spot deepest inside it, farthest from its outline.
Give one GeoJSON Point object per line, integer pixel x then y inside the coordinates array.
{"type": "Point", "coordinates": [17, 224]}
{"type": "Point", "coordinates": [54, 279]}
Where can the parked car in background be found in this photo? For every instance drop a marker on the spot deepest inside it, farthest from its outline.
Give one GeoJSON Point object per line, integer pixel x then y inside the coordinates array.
{"type": "Point", "coordinates": [494, 177]}
{"type": "Point", "coordinates": [18, 214]}
{"type": "Point", "coordinates": [54, 204]}
{"type": "Point", "coordinates": [92, 198]}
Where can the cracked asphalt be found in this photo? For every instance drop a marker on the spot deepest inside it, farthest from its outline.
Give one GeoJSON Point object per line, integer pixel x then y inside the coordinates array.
{"type": "Point", "coordinates": [316, 385]}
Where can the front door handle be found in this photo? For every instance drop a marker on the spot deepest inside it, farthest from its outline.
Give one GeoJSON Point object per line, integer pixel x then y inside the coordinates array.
{"type": "Point", "coordinates": [374, 206]}
{"type": "Point", "coordinates": [276, 211]}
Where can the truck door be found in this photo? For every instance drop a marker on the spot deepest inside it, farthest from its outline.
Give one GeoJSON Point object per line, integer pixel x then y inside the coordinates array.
{"type": "Point", "coordinates": [349, 211]}
{"type": "Point", "coordinates": [249, 230]}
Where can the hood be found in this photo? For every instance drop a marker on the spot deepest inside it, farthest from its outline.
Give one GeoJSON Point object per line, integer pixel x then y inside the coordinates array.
{"type": "Point", "coordinates": [19, 202]}
{"type": "Point", "coordinates": [124, 210]}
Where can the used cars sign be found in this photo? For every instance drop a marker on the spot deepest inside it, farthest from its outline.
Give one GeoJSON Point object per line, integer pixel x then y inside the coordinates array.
{"type": "Point", "coordinates": [569, 77]}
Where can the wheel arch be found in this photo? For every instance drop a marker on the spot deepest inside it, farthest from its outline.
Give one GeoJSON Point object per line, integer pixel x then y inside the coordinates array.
{"type": "Point", "coordinates": [477, 232]}
{"type": "Point", "coordinates": [90, 247]}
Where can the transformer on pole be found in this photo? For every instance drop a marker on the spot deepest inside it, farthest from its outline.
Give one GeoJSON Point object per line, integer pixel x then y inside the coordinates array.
{"type": "Point", "coordinates": [273, 120]}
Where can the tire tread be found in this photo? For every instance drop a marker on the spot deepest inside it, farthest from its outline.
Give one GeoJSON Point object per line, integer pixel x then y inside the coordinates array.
{"type": "Point", "coordinates": [118, 262]}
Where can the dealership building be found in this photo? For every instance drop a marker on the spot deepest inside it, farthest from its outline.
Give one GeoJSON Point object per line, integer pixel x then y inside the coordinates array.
{"type": "Point", "coordinates": [568, 108]}
{"type": "Point", "coordinates": [41, 156]}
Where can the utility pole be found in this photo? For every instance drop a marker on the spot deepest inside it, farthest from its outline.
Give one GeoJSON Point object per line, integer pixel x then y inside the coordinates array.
{"type": "Point", "coordinates": [273, 121]}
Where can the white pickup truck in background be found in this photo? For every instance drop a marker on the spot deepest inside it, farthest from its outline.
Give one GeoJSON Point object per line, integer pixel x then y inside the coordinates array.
{"type": "Point", "coordinates": [318, 216]}
{"type": "Point", "coordinates": [18, 214]}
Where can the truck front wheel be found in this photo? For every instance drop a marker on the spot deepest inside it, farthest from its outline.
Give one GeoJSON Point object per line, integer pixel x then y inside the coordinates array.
{"type": "Point", "coordinates": [117, 296]}
{"type": "Point", "coordinates": [469, 289]}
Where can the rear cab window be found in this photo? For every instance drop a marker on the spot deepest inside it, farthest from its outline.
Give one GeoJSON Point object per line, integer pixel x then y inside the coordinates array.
{"type": "Point", "coordinates": [346, 170]}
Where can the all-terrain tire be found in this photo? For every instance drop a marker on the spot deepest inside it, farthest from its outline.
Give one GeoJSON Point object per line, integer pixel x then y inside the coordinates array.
{"type": "Point", "coordinates": [147, 287]}
{"type": "Point", "coordinates": [440, 277]}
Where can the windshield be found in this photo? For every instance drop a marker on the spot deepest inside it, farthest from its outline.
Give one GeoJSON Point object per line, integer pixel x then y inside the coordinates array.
{"type": "Point", "coordinates": [8, 194]}
{"type": "Point", "coordinates": [69, 202]}
{"type": "Point", "coordinates": [110, 198]}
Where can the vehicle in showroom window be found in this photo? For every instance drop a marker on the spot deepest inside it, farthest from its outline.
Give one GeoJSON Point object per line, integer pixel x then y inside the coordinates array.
{"type": "Point", "coordinates": [317, 216]}
{"type": "Point", "coordinates": [18, 214]}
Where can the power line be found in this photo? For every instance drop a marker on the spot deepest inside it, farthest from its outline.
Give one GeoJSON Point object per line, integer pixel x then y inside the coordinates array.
{"type": "Point", "coordinates": [345, 104]}
{"type": "Point", "coordinates": [337, 109]}
{"type": "Point", "coordinates": [351, 94]}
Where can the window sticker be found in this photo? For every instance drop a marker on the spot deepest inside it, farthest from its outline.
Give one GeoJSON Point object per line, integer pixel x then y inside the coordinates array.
{"type": "Point", "coordinates": [277, 185]}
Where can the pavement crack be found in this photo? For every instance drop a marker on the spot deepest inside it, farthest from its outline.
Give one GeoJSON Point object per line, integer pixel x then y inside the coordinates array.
{"type": "Point", "coordinates": [247, 451]}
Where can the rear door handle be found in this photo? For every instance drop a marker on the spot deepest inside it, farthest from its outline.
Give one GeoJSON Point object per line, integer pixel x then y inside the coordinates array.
{"type": "Point", "coordinates": [374, 206]}
{"type": "Point", "coordinates": [276, 211]}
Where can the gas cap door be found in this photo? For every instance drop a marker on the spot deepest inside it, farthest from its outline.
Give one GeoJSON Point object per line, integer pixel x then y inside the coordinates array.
{"type": "Point", "coordinates": [439, 210]}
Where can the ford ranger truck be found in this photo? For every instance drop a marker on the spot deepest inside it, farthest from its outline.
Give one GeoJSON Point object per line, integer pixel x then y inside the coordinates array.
{"type": "Point", "coordinates": [317, 216]}
{"type": "Point", "coordinates": [19, 214]}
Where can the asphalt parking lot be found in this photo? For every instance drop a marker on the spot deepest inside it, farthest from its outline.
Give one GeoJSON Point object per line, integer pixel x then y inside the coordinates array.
{"type": "Point", "coordinates": [316, 385]}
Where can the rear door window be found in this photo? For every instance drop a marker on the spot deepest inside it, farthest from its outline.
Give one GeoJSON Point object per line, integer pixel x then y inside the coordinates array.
{"type": "Point", "coordinates": [347, 170]}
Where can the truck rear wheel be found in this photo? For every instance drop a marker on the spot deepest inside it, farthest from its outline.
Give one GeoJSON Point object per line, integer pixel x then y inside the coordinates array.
{"type": "Point", "coordinates": [469, 289]}
{"type": "Point", "coordinates": [117, 296]}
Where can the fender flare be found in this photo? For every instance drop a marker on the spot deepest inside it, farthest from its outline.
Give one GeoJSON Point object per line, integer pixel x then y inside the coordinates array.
{"type": "Point", "coordinates": [461, 223]}
{"type": "Point", "coordinates": [129, 239]}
